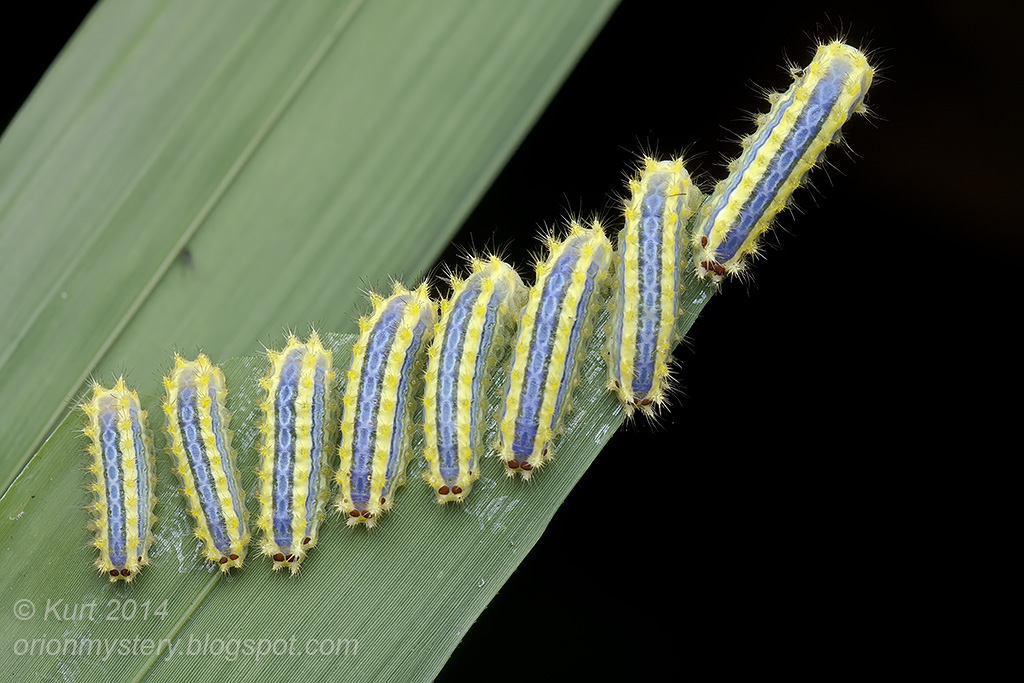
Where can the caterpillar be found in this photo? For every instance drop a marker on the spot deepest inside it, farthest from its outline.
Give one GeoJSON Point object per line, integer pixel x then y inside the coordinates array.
{"type": "Point", "coordinates": [376, 423]}
{"type": "Point", "coordinates": [200, 443]}
{"type": "Point", "coordinates": [122, 462]}
{"type": "Point", "coordinates": [557, 322]}
{"type": "Point", "coordinates": [789, 141]}
{"type": "Point", "coordinates": [476, 322]}
{"type": "Point", "coordinates": [298, 432]}
{"type": "Point", "coordinates": [649, 267]}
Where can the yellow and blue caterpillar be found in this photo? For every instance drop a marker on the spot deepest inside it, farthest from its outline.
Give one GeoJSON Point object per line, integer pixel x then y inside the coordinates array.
{"type": "Point", "coordinates": [403, 342]}
{"type": "Point", "coordinates": [125, 480]}
{"type": "Point", "coordinates": [475, 325]}
{"type": "Point", "coordinates": [650, 263]}
{"type": "Point", "coordinates": [790, 140]}
{"type": "Point", "coordinates": [200, 443]}
{"type": "Point", "coordinates": [556, 324]}
{"type": "Point", "coordinates": [298, 430]}
{"type": "Point", "coordinates": [376, 423]}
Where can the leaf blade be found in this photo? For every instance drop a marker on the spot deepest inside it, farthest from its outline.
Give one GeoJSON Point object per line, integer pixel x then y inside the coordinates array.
{"type": "Point", "coordinates": [124, 292]}
{"type": "Point", "coordinates": [405, 591]}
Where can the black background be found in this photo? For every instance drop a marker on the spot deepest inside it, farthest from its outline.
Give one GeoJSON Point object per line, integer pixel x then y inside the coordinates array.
{"type": "Point", "coordinates": [845, 410]}
{"type": "Point", "coordinates": [826, 502]}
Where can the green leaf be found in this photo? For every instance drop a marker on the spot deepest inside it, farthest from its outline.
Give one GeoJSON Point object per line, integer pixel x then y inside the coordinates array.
{"type": "Point", "coordinates": [205, 175]}
{"type": "Point", "coordinates": [195, 174]}
{"type": "Point", "coordinates": [399, 596]}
